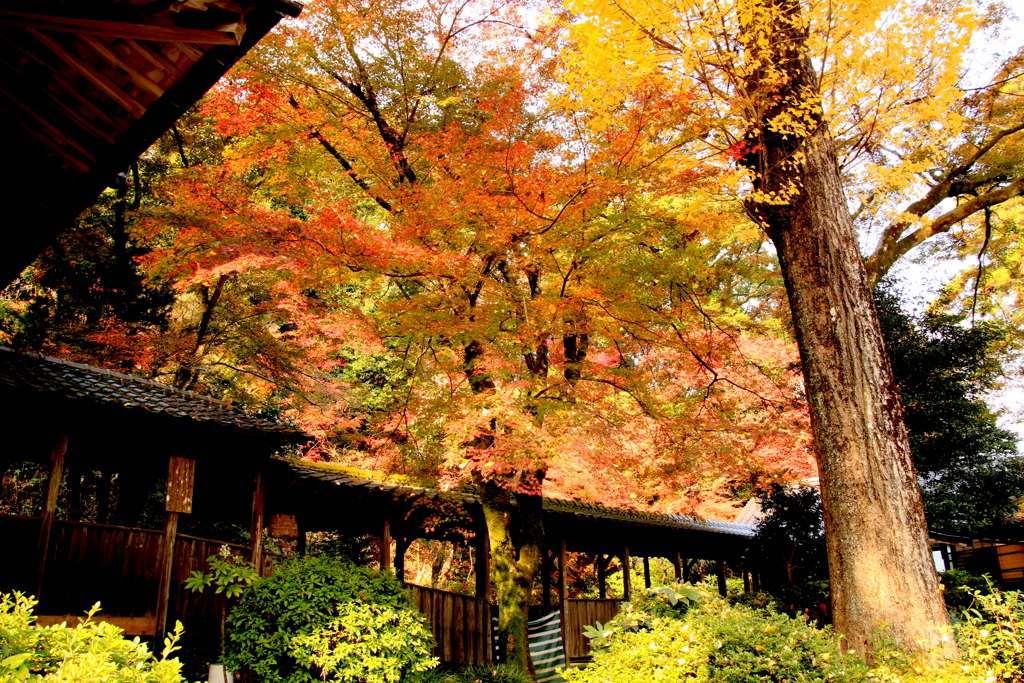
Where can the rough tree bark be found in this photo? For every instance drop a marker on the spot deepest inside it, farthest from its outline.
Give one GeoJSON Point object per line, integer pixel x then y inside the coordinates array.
{"type": "Point", "coordinates": [879, 561]}
{"type": "Point", "coordinates": [516, 536]}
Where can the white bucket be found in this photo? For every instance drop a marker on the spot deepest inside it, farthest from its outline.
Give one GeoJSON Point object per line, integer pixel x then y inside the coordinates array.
{"type": "Point", "coordinates": [219, 675]}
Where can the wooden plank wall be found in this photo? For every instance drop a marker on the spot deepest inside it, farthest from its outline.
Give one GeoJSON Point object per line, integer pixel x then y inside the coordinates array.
{"type": "Point", "coordinates": [585, 612]}
{"type": "Point", "coordinates": [89, 563]}
{"type": "Point", "coordinates": [461, 624]}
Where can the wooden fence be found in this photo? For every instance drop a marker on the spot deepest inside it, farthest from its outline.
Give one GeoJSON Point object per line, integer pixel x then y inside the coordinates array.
{"type": "Point", "coordinates": [461, 624]}
{"type": "Point", "coordinates": [581, 612]}
{"type": "Point", "coordinates": [119, 567]}
{"type": "Point", "coordinates": [115, 566]}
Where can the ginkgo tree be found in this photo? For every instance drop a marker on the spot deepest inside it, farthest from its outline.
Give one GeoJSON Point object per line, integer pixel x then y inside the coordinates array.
{"type": "Point", "coordinates": [394, 172]}
{"type": "Point", "coordinates": [809, 99]}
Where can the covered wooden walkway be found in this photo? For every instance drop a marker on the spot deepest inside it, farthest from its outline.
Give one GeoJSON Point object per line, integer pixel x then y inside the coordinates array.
{"type": "Point", "coordinates": [134, 484]}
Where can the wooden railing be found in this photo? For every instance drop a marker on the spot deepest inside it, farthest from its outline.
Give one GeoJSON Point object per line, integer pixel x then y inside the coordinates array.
{"type": "Point", "coordinates": [580, 612]}
{"type": "Point", "coordinates": [115, 566]}
{"type": "Point", "coordinates": [461, 624]}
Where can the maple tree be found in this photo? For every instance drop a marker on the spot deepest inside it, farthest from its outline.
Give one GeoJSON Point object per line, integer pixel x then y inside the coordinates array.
{"type": "Point", "coordinates": [398, 195]}
{"type": "Point", "coordinates": [808, 100]}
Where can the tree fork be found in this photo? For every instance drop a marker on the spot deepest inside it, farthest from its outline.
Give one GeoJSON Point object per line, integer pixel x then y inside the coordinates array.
{"type": "Point", "coordinates": [880, 564]}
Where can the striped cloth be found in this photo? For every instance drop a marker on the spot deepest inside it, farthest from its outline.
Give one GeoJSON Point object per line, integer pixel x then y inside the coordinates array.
{"type": "Point", "coordinates": [546, 648]}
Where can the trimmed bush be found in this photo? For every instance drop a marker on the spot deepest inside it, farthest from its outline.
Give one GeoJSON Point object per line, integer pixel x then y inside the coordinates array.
{"type": "Point", "coordinates": [92, 651]}
{"type": "Point", "coordinates": [708, 639]}
{"type": "Point", "coordinates": [325, 619]}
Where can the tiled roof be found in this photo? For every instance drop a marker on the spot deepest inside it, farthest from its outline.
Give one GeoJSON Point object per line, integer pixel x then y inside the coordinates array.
{"type": "Point", "coordinates": [77, 381]}
{"type": "Point", "coordinates": [346, 476]}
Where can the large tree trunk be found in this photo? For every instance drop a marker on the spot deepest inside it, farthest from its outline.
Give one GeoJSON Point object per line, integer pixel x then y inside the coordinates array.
{"type": "Point", "coordinates": [516, 537]}
{"type": "Point", "coordinates": [879, 561]}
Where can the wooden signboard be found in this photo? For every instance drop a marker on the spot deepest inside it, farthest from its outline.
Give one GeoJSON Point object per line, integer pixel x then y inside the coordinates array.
{"type": "Point", "coordinates": [181, 475]}
{"type": "Point", "coordinates": [284, 526]}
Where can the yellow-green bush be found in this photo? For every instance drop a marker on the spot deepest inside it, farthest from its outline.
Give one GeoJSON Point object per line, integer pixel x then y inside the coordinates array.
{"type": "Point", "coordinates": [712, 640]}
{"type": "Point", "coordinates": [90, 652]}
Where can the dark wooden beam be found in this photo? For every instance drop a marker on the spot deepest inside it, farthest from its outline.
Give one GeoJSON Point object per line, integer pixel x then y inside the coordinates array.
{"type": "Point", "coordinates": [627, 588]}
{"type": "Point", "coordinates": [677, 564]}
{"type": "Point", "coordinates": [50, 507]}
{"type": "Point", "coordinates": [386, 565]}
{"type": "Point", "coordinates": [257, 523]}
{"type": "Point", "coordinates": [647, 572]}
{"type": "Point", "coordinates": [720, 572]}
{"type": "Point", "coordinates": [128, 103]}
{"type": "Point", "coordinates": [483, 562]}
{"type": "Point", "coordinates": [139, 28]}
{"type": "Point", "coordinates": [562, 589]}
{"type": "Point", "coordinates": [163, 596]}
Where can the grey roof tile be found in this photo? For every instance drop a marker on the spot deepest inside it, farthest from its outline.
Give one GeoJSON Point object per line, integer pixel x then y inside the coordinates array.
{"type": "Point", "coordinates": [47, 375]}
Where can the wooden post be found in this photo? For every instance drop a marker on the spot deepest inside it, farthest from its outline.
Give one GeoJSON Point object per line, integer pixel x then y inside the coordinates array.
{"type": "Point", "coordinates": [677, 564]}
{"type": "Point", "coordinates": [602, 577]}
{"type": "Point", "coordinates": [386, 565]}
{"type": "Point", "coordinates": [401, 546]}
{"type": "Point", "coordinates": [627, 588]}
{"type": "Point", "coordinates": [180, 484]}
{"type": "Point", "coordinates": [50, 507]}
{"type": "Point", "coordinates": [163, 596]}
{"type": "Point", "coordinates": [483, 562]}
{"type": "Point", "coordinates": [687, 565]}
{"type": "Point", "coordinates": [563, 595]}
{"type": "Point", "coordinates": [256, 526]}
{"type": "Point", "coordinates": [300, 536]}
{"type": "Point", "coordinates": [545, 577]}
{"type": "Point", "coordinates": [720, 571]}
{"type": "Point", "coordinates": [647, 572]}
{"type": "Point", "coordinates": [562, 590]}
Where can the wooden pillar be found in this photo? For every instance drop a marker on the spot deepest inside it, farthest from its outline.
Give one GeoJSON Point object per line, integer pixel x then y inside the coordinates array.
{"type": "Point", "coordinates": [677, 564]}
{"type": "Point", "coordinates": [180, 484]}
{"type": "Point", "coordinates": [163, 596]}
{"type": "Point", "coordinates": [386, 565]}
{"type": "Point", "coordinates": [483, 562]}
{"type": "Point", "coordinates": [300, 536]}
{"type": "Point", "coordinates": [647, 572]}
{"type": "Point", "coordinates": [720, 571]}
{"type": "Point", "coordinates": [545, 577]}
{"type": "Point", "coordinates": [257, 524]}
{"type": "Point", "coordinates": [401, 546]}
{"type": "Point", "coordinates": [50, 508]}
{"type": "Point", "coordinates": [562, 590]}
{"type": "Point", "coordinates": [602, 577]}
{"type": "Point", "coordinates": [687, 565]}
{"type": "Point", "coordinates": [627, 588]}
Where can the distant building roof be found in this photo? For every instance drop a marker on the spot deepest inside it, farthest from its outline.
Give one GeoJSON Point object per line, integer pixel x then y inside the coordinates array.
{"type": "Point", "coordinates": [69, 380]}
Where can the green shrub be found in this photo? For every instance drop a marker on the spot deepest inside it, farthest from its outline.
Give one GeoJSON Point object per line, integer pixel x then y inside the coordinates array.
{"type": "Point", "coordinates": [991, 634]}
{"type": "Point", "coordinates": [92, 651]}
{"type": "Point", "coordinates": [325, 619]}
{"type": "Point", "coordinates": [670, 602]}
{"type": "Point", "coordinates": [717, 641]}
{"type": "Point", "coordinates": [476, 673]}
{"type": "Point", "coordinates": [959, 588]}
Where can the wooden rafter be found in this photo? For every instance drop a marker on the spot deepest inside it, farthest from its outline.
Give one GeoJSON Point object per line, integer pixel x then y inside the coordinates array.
{"type": "Point", "coordinates": [64, 85]}
{"type": "Point", "coordinates": [98, 79]}
{"type": "Point", "coordinates": [159, 30]}
{"type": "Point", "coordinates": [137, 77]}
{"type": "Point", "coordinates": [154, 57]}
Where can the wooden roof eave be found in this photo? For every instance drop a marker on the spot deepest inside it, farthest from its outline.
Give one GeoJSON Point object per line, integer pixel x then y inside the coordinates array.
{"type": "Point", "coordinates": [39, 208]}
